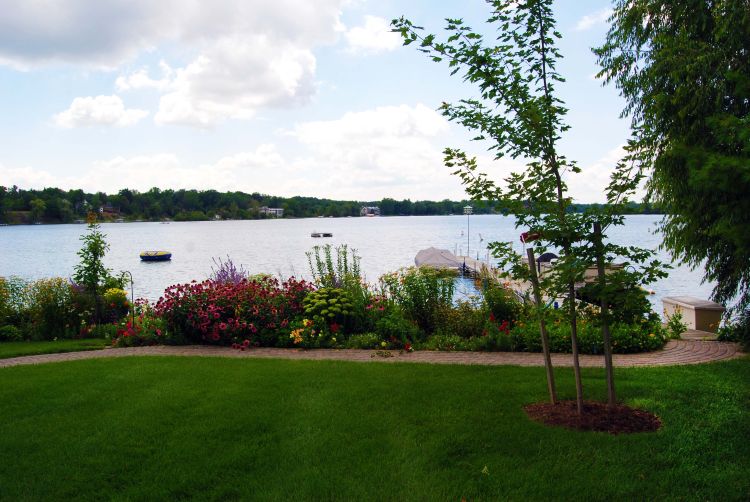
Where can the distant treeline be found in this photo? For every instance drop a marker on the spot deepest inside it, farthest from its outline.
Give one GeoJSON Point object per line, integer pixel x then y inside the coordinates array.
{"type": "Point", "coordinates": [53, 205]}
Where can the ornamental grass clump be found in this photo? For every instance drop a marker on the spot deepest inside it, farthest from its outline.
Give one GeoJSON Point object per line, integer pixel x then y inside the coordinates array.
{"type": "Point", "coordinates": [252, 312]}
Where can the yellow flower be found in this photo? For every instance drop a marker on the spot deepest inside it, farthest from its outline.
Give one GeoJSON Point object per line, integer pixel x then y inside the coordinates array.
{"type": "Point", "coordinates": [383, 344]}
{"type": "Point", "coordinates": [652, 335]}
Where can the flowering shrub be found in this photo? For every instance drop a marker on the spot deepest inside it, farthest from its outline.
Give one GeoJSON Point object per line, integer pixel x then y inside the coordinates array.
{"type": "Point", "coordinates": [146, 329]}
{"type": "Point", "coordinates": [309, 334]}
{"type": "Point", "coordinates": [227, 272]}
{"type": "Point", "coordinates": [258, 310]}
{"type": "Point", "coordinates": [116, 304]}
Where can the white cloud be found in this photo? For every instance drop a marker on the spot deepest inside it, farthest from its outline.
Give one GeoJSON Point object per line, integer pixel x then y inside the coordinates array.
{"type": "Point", "coordinates": [590, 20]}
{"type": "Point", "coordinates": [392, 151]}
{"type": "Point", "coordinates": [374, 35]}
{"type": "Point", "coordinates": [98, 111]}
{"type": "Point", "coordinates": [235, 77]}
{"type": "Point", "coordinates": [140, 79]}
{"type": "Point", "coordinates": [107, 33]}
{"type": "Point", "coordinates": [241, 55]}
{"type": "Point", "coordinates": [27, 177]}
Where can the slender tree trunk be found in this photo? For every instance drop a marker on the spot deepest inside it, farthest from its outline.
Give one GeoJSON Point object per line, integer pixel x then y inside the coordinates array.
{"type": "Point", "coordinates": [542, 328]}
{"type": "Point", "coordinates": [611, 397]}
{"type": "Point", "coordinates": [574, 345]}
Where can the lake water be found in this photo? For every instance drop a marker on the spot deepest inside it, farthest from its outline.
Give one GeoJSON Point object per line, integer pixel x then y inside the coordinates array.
{"type": "Point", "coordinates": [279, 246]}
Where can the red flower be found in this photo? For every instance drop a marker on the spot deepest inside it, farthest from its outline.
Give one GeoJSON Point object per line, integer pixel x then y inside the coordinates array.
{"type": "Point", "coordinates": [334, 328]}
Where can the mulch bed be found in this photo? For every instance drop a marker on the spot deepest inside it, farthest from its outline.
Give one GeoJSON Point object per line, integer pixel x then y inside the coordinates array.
{"type": "Point", "coordinates": [595, 417]}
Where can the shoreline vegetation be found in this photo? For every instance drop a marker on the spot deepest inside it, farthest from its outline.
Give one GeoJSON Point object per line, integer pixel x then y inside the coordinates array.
{"type": "Point", "coordinates": [54, 205]}
{"type": "Point", "coordinates": [409, 309]}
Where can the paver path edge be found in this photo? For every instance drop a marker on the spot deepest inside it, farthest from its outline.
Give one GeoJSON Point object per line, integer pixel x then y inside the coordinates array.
{"type": "Point", "coordinates": [676, 352]}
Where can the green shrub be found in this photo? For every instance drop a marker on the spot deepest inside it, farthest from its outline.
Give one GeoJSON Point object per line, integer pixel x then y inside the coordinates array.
{"type": "Point", "coordinates": [329, 307]}
{"type": "Point", "coordinates": [628, 301]}
{"type": "Point", "coordinates": [464, 320]}
{"type": "Point", "coordinates": [421, 292]}
{"type": "Point", "coordinates": [10, 333]}
{"type": "Point", "coordinates": [14, 301]}
{"type": "Point", "coordinates": [642, 336]}
{"type": "Point", "coordinates": [394, 328]}
{"type": "Point", "coordinates": [50, 310]}
{"type": "Point", "coordinates": [737, 330]}
{"type": "Point", "coordinates": [501, 303]}
{"type": "Point", "coordinates": [675, 325]}
{"type": "Point", "coordinates": [116, 305]}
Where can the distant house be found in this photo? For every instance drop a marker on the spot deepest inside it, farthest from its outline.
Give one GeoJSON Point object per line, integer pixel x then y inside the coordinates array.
{"type": "Point", "coordinates": [109, 210]}
{"type": "Point", "coordinates": [276, 212]}
{"type": "Point", "coordinates": [369, 211]}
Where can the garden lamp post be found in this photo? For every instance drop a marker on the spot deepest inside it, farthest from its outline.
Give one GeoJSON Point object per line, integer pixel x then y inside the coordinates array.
{"type": "Point", "coordinates": [467, 211]}
{"type": "Point", "coordinates": [132, 296]}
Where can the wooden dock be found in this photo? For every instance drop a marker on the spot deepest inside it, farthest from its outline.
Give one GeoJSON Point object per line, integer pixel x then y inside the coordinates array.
{"type": "Point", "coordinates": [474, 266]}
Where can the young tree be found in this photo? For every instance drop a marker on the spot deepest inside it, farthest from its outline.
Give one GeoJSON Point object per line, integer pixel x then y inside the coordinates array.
{"type": "Point", "coordinates": [683, 67]}
{"type": "Point", "coordinates": [519, 115]}
{"type": "Point", "coordinates": [90, 273]}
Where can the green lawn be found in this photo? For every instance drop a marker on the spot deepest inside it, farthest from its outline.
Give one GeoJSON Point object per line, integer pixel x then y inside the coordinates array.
{"type": "Point", "coordinates": [16, 349]}
{"type": "Point", "coordinates": [213, 429]}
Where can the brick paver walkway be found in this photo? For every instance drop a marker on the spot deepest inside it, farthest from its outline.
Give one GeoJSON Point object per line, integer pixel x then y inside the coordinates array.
{"type": "Point", "coordinates": [676, 352]}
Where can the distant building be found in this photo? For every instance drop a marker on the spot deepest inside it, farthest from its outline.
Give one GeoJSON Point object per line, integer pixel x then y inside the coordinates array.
{"type": "Point", "coordinates": [276, 212]}
{"type": "Point", "coordinates": [109, 210]}
{"type": "Point", "coordinates": [369, 211]}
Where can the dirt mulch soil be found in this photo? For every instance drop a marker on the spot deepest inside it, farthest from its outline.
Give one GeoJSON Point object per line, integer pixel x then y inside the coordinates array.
{"type": "Point", "coordinates": [596, 417]}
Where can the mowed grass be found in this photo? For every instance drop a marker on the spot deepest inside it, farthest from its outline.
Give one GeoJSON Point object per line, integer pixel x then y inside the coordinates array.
{"type": "Point", "coordinates": [17, 349]}
{"type": "Point", "coordinates": [152, 428]}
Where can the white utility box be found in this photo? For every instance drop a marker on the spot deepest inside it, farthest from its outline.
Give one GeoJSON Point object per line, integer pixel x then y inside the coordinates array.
{"type": "Point", "coordinates": [702, 315]}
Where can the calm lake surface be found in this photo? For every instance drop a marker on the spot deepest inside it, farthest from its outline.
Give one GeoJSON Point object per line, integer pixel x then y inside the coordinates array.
{"type": "Point", "coordinates": [278, 247]}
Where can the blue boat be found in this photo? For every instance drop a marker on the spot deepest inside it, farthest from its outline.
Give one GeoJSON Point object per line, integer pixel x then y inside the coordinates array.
{"type": "Point", "coordinates": [156, 256]}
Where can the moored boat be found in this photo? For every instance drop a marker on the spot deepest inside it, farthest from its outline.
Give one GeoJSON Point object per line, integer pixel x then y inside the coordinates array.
{"type": "Point", "coordinates": [156, 256]}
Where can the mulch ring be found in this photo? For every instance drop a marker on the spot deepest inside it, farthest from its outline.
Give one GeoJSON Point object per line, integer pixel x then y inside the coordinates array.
{"type": "Point", "coordinates": [595, 417]}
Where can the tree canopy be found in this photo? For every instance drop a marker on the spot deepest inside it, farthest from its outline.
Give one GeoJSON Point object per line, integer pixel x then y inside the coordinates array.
{"type": "Point", "coordinates": [683, 67]}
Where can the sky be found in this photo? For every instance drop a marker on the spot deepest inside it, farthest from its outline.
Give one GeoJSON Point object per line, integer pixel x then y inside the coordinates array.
{"type": "Point", "coordinates": [283, 97]}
